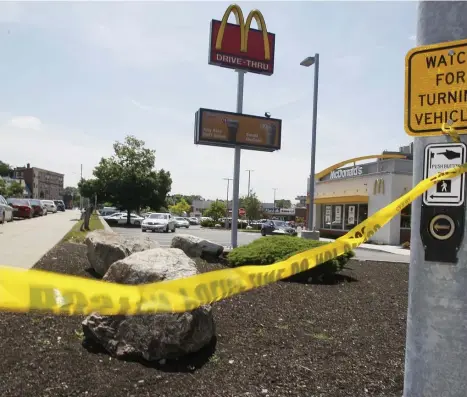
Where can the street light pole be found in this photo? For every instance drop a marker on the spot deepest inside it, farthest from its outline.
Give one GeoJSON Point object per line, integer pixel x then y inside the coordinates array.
{"type": "Point", "coordinates": [249, 175]}
{"type": "Point", "coordinates": [274, 204]}
{"type": "Point", "coordinates": [312, 233]}
{"type": "Point", "coordinates": [436, 346]}
{"type": "Point", "coordinates": [227, 203]}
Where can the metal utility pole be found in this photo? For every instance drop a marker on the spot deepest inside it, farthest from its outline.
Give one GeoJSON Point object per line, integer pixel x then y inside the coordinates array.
{"type": "Point", "coordinates": [307, 62]}
{"type": "Point", "coordinates": [274, 204]}
{"type": "Point", "coordinates": [436, 347]}
{"type": "Point", "coordinates": [227, 203]}
{"type": "Point", "coordinates": [249, 176]}
{"type": "Point", "coordinates": [80, 195]}
{"type": "Point", "coordinates": [236, 175]}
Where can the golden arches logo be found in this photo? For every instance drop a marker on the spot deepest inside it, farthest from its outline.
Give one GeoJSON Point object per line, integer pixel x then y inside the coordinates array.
{"type": "Point", "coordinates": [244, 28]}
{"type": "Point", "coordinates": [379, 186]}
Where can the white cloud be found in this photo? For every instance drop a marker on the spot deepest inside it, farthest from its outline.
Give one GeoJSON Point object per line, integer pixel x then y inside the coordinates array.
{"type": "Point", "coordinates": [26, 122]}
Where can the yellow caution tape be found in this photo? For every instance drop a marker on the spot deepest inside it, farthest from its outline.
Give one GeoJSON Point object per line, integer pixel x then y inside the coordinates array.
{"type": "Point", "coordinates": [448, 130]}
{"type": "Point", "coordinates": [26, 290]}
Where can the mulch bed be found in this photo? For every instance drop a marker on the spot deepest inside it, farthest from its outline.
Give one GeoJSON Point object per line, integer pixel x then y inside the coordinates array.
{"type": "Point", "coordinates": [286, 339]}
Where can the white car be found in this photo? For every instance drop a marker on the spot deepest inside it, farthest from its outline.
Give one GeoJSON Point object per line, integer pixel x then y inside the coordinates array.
{"type": "Point", "coordinates": [50, 205]}
{"type": "Point", "coordinates": [159, 222]}
{"type": "Point", "coordinates": [6, 212]}
{"type": "Point", "coordinates": [181, 222]}
{"type": "Point", "coordinates": [135, 219]}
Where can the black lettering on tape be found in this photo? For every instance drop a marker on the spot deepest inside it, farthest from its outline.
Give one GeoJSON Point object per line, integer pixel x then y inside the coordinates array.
{"type": "Point", "coordinates": [154, 303]}
{"type": "Point", "coordinates": [75, 300]}
{"type": "Point", "coordinates": [102, 302]}
{"type": "Point", "coordinates": [327, 256]}
{"type": "Point", "coordinates": [202, 293]}
{"type": "Point", "coordinates": [304, 265]}
{"type": "Point", "coordinates": [124, 303]}
{"type": "Point", "coordinates": [295, 268]}
{"type": "Point", "coordinates": [280, 274]}
{"type": "Point", "coordinates": [41, 297]}
{"type": "Point", "coordinates": [189, 303]}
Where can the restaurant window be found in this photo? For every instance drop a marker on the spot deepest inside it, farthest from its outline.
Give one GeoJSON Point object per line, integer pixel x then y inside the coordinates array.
{"type": "Point", "coordinates": [350, 216]}
{"type": "Point", "coordinates": [406, 217]}
{"type": "Point", "coordinates": [362, 212]}
{"type": "Point", "coordinates": [337, 217]}
{"type": "Point", "coordinates": [326, 211]}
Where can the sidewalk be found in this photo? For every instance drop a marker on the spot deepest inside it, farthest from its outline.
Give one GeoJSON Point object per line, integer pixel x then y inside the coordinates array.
{"type": "Point", "coordinates": [391, 249]}
{"type": "Point", "coordinates": [25, 242]}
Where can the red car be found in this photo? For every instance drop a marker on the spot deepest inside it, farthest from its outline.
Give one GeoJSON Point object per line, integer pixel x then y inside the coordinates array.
{"type": "Point", "coordinates": [21, 208]}
{"type": "Point", "coordinates": [37, 207]}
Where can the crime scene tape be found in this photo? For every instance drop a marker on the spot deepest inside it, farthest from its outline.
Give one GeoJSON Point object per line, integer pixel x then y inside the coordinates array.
{"type": "Point", "coordinates": [27, 290]}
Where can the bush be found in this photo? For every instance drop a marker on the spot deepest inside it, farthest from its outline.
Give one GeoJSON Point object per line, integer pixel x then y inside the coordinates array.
{"type": "Point", "coordinates": [272, 249]}
{"type": "Point", "coordinates": [207, 223]}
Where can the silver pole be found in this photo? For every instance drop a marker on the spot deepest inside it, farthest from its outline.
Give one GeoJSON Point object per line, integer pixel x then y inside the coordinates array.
{"type": "Point", "coordinates": [249, 176]}
{"type": "Point", "coordinates": [436, 347]}
{"type": "Point", "coordinates": [226, 223]}
{"type": "Point", "coordinates": [236, 176]}
{"type": "Point", "coordinates": [311, 225]}
{"type": "Point", "coordinates": [274, 204]}
{"type": "Point", "coordinates": [80, 195]}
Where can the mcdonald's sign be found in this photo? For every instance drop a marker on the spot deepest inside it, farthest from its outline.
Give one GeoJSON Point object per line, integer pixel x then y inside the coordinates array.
{"type": "Point", "coordinates": [379, 186]}
{"type": "Point", "coordinates": [238, 46]}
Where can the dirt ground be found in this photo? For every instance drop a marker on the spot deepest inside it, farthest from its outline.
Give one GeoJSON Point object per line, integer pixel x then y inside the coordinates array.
{"type": "Point", "coordinates": [286, 339]}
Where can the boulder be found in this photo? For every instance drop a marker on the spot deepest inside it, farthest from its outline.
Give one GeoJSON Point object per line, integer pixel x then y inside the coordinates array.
{"type": "Point", "coordinates": [196, 247]}
{"type": "Point", "coordinates": [152, 336]}
{"type": "Point", "coordinates": [105, 248]}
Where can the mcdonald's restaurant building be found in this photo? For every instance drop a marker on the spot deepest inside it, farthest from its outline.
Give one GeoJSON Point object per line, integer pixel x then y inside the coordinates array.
{"type": "Point", "coordinates": [346, 196]}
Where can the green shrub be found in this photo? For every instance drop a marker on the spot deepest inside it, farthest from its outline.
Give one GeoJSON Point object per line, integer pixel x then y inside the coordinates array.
{"type": "Point", "coordinates": [207, 223]}
{"type": "Point", "coordinates": [272, 249]}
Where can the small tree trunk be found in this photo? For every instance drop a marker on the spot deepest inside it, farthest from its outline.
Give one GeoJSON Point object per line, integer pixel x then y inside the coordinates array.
{"type": "Point", "coordinates": [87, 218]}
{"type": "Point", "coordinates": [128, 218]}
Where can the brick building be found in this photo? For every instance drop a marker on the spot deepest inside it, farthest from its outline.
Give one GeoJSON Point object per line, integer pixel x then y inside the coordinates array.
{"type": "Point", "coordinates": [42, 184]}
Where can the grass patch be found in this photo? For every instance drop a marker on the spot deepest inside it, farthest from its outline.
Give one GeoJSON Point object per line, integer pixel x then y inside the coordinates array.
{"type": "Point", "coordinates": [77, 236]}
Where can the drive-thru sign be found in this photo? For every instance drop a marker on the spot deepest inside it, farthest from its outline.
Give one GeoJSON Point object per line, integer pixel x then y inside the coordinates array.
{"type": "Point", "coordinates": [440, 157]}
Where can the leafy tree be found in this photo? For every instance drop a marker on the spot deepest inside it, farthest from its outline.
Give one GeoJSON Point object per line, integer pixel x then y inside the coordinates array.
{"type": "Point", "coordinates": [128, 179]}
{"type": "Point", "coordinates": [180, 208]}
{"type": "Point", "coordinates": [15, 190]}
{"type": "Point", "coordinates": [215, 211]}
{"type": "Point", "coordinates": [252, 206]}
{"type": "Point", "coordinates": [5, 169]}
{"type": "Point", "coordinates": [3, 187]}
{"type": "Point", "coordinates": [176, 198]}
{"type": "Point", "coordinates": [283, 203]}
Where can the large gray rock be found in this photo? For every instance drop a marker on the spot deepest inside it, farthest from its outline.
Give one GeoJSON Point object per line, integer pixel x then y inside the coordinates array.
{"type": "Point", "coordinates": [105, 248]}
{"type": "Point", "coordinates": [196, 247]}
{"type": "Point", "coordinates": [155, 336]}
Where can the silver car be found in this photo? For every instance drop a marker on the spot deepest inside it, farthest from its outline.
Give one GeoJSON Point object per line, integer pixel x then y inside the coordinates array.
{"type": "Point", "coordinates": [161, 222]}
{"type": "Point", "coordinates": [6, 212]}
{"type": "Point", "coordinates": [181, 222]}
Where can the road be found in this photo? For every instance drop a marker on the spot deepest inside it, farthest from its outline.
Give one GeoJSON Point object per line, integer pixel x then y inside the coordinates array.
{"type": "Point", "coordinates": [222, 237]}
{"type": "Point", "coordinates": [24, 242]}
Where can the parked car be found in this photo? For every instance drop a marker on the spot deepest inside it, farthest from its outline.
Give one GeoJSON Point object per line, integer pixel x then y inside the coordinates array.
{"type": "Point", "coordinates": [193, 220]}
{"type": "Point", "coordinates": [21, 208]}
{"type": "Point", "coordinates": [50, 205]}
{"type": "Point", "coordinates": [135, 219]}
{"type": "Point", "coordinates": [106, 211]}
{"type": "Point", "coordinates": [6, 211]}
{"type": "Point", "coordinates": [38, 207]}
{"type": "Point", "coordinates": [113, 218]}
{"type": "Point", "coordinates": [159, 222]}
{"type": "Point", "coordinates": [181, 222]}
{"type": "Point", "coordinates": [60, 205]}
{"type": "Point", "coordinates": [277, 227]}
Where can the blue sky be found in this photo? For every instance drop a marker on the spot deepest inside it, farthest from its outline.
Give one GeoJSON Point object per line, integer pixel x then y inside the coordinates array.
{"type": "Point", "coordinates": [78, 76]}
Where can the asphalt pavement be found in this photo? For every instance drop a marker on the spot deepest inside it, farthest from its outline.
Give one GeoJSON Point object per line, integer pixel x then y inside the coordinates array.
{"type": "Point", "coordinates": [24, 242]}
{"type": "Point", "coordinates": [222, 237]}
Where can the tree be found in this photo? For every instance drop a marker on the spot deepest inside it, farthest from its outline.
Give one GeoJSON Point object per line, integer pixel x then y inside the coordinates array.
{"type": "Point", "coordinates": [176, 198]}
{"type": "Point", "coordinates": [5, 169]}
{"type": "Point", "coordinates": [128, 179]}
{"type": "Point", "coordinates": [15, 190]}
{"type": "Point", "coordinates": [180, 208]}
{"type": "Point", "coordinates": [215, 211]}
{"type": "Point", "coordinates": [283, 203]}
{"type": "Point", "coordinates": [3, 187]}
{"type": "Point", "coordinates": [252, 206]}
{"type": "Point", "coordinates": [71, 195]}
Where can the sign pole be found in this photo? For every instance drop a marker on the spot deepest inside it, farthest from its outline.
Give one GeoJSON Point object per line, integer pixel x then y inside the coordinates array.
{"type": "Point", "coordinates": [236, 174]}
{"type": "Point", "coordinates": [436, 346]}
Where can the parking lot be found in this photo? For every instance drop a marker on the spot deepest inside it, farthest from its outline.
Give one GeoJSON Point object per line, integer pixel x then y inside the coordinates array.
{"type": "Point", "coordinates": [24, 241]}
{"type": "Point", "coordinates": [221, 237]}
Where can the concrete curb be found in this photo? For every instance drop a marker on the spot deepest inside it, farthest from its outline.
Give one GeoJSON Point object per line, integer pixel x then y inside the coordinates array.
{"type": "Point", "coordinates": [107, 228]}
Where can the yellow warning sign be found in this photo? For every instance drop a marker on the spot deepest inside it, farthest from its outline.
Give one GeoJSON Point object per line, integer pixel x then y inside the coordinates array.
{"type": "Point", "coordinates": [436, 88]}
